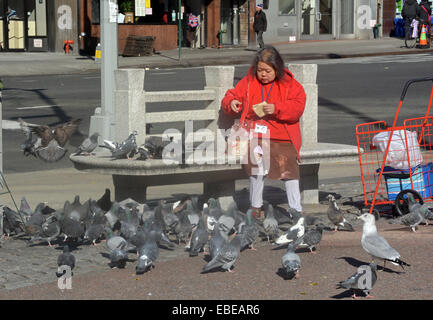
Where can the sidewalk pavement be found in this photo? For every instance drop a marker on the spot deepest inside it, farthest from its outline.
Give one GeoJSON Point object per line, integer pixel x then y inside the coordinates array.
{"type": "Point", "coordinates": [21, 64]}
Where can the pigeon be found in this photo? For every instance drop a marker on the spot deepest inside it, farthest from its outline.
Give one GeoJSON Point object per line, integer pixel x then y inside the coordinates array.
{"type": "Point", "coordinates": [31, 143]}
{"type": "Point", "coordinates": [183, 229]}
{"type": "Point", "coordinates": [249, 232]}
{"type": "Point", "coordinates": [213, 212]}
{"type": "Point", "coordinates": [216, 241]}
{"type": "Point", "coordinates": [336, 216]}
{"type": "Point", "coordinates": [50, 231]}
{"type": "Point", "coordinates": [126, 149]}
{"type": "Point", "coordinates": [76, 210]}
{"type": "Point", "coordinates": [423, 209]}
{"type": "Point", "coordinates": [65, 259]}
{"type": "Point", "coordinates": [226, 257]}
{"type": "Point", "coordinates": [12, 222]}
{"type": "Point", "coordinates": [312, 237]}
{"type": "Point", "coordinates": [33, 226]}
{"type": "Point", "coordinates": [199, 238]}
{"type": "Point", "coordinates": [296, 231]}
{"type": "Point", "coordinates": [105, 202]}
{"type": "Point", "coordinates": [147, 253]}
{"type": "Point", "coordinates": [290, 261]}
{"type": "Point", "coordinates": [376, 245]}
{"type": "Point", "coordinates": [88, 145]}
{"type": "Point", "coordinates": [227, 221]}
{"type": "Point", "coordinates": [411, 219]}
{"type": "Point", "coordinates": [52, 143]}
{"type": "Point", "coordinates": [119, 256]}
{"type": "Point", "coordinates": [270, 224]}
{"type": "Point", "coordinates": [361, 281]}
{"type": "Point", "coordinates": [25, 209]}
{"type": "Point", "coordinates": [95, 227]}
{"type": "Point", "coordinates": [153, 148]}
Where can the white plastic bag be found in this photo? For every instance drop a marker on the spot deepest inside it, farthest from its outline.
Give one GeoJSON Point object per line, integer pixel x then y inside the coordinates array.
{"type": "Point", "coordinates": [397, 153]}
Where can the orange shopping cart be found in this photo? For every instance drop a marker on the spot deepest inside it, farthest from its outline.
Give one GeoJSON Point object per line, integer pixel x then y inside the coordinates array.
{"type": "Point", "coordinates": [397, 160]}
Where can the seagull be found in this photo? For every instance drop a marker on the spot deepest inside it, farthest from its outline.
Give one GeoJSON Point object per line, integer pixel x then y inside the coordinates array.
{"type": "Point", "coordinates": [52, 142]}
{"type": "Point", "coordinates": [376, 245]}
{"type": "Point", "coordinates": [88, 145]}
{"type": "Point", "coordinates": [336, 216]}
{"type": "Point", "coordinates": [363, 280]}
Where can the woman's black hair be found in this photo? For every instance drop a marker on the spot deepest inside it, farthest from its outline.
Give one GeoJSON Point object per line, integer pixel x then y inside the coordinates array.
{"type": "Point", "coordinates": [272, 57]}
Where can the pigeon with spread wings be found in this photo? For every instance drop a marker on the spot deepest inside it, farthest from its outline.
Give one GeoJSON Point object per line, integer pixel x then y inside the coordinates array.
{"type": "Point", "coordinates": [53, 140]}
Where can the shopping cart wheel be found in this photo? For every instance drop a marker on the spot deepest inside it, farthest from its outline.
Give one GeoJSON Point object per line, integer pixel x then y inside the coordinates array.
{"type": "Point", "coordinates": [401, 202]}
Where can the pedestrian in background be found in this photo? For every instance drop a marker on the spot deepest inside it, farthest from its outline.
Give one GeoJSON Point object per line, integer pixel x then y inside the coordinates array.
{"type": "Point", "coordinates": [424, 12]}
{"type": "Point", "coordinates": [410, 11]}
{"type": "Point", "coordinates": [270, 83]}
{"type": "Point", "coordinates": [260, 24]}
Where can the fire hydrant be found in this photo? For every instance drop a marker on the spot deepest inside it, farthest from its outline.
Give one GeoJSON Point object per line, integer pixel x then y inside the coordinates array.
{"type": "Point", "coordinates": [67, 45]}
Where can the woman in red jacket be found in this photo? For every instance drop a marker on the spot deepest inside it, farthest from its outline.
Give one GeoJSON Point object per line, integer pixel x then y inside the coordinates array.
{"type": "Point", "coordinates": [283, 98]}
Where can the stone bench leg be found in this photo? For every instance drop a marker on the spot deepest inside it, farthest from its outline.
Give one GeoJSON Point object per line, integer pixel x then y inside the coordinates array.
{"type": "Point", "coordinates": [133, 187]}
{"type": "Point", "coordinates": [309, 183]}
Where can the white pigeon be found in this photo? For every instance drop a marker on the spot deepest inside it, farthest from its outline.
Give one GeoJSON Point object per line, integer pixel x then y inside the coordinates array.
{"type": "Point", "coordinates": [376, 245]}
{"type": "Point", "coordinates": [295, 232]}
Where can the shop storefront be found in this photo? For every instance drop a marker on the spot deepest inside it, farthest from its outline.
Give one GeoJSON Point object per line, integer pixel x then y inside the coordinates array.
{"type": "Point", "coordinates": [23, 25]}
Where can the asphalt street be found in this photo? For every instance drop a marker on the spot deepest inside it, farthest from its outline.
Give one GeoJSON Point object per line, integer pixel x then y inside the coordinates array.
{"type": "Point", "coordinates": [353, 90]}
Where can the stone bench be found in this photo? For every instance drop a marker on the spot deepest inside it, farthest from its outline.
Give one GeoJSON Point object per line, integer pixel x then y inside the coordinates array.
{"type": "Point", "coordinates": [132, 177]}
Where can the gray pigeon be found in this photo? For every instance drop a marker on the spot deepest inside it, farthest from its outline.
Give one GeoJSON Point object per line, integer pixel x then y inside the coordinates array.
{"type": "Point", "coordinates": [33, 226]}
{"type": "Point", "coordinates": [360, 281]}
{"type": "Point", "coordinates": [65, 259]}
{"type": "Point", "coordinates": [183, 229]}
{"type": "Point", "coordinates": [377, 246]}
{"type": "Point", "coordinates": [336, 216]}
{"type": "Point", "coordinates": [227, 221]}
{"type": "Point", "coordinates": [12, 222]}
{"type": "Point", "coordinates": [32, 143]}
{"type": "Point", "coordinates": [126, 149]}
{"type": "Point", "coordinates": [95, 227]}
{"type": "Point", "coordinates": [147, 253]}
{"type": "Point", "coordinates": [50, 231]}
{"type": "Point", "coordinates": [249, 232]}
{"type": "Point", "coordinates": [411, 219]}
{"type": "Point", "coordinates": [213, 212]}
{"type": "Point", "coordinates": [226, 257]}
{"type": "Point", "coordinates": [290, 261]}
{"type": "Point", "coordinates": [88, 145]}
{"type": "Point", "coordinates": [423, 210]}
{"type": "Point", "coordinates": [119, 256]}
{"type": "Point", "coordinates": [270, 224]}
{"type": "Point", "coordinates": [25, 209]}
{"type": "Point", "coordinates": [312, 237]}
{"type": "Point", "coordinates": [199, 238]}
{"type": "Point", "coordinates": [216, 241]}
{"type": "Point", "coordinates": [296, 231]}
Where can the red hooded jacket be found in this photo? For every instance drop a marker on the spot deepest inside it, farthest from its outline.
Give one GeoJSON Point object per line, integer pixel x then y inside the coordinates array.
{"type": "Point", "coordinates": [286, 94]}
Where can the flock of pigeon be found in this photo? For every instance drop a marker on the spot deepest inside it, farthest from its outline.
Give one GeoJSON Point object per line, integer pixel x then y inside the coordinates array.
{"type": "Point", "coordinates": [48, 144]}
{"type": "Point", "coordinates": [222, 235]}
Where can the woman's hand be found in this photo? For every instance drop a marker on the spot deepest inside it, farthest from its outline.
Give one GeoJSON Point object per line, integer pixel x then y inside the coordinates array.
{"type": "Point", "coordinates": [236, 105]}
{"type": "Point", "coordinates": [269, 109]}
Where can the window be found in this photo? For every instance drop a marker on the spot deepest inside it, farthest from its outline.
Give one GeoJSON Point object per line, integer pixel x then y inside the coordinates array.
{"type": "Point", "coordinates": [286, 7]}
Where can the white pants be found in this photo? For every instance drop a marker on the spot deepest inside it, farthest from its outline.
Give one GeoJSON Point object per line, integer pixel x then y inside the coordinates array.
{"type": "Point", "coordinates": [292, 191]}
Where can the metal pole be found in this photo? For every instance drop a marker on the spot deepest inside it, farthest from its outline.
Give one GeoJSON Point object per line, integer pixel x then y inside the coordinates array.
{"type": "Point", "coordinates": [108, 65]}
{"type": "Point", "coordinates": [179, 27]}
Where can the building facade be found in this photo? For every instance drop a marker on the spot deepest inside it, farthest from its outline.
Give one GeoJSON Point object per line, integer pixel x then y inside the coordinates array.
{"type": "Point", "coordinates": [45, 25]}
